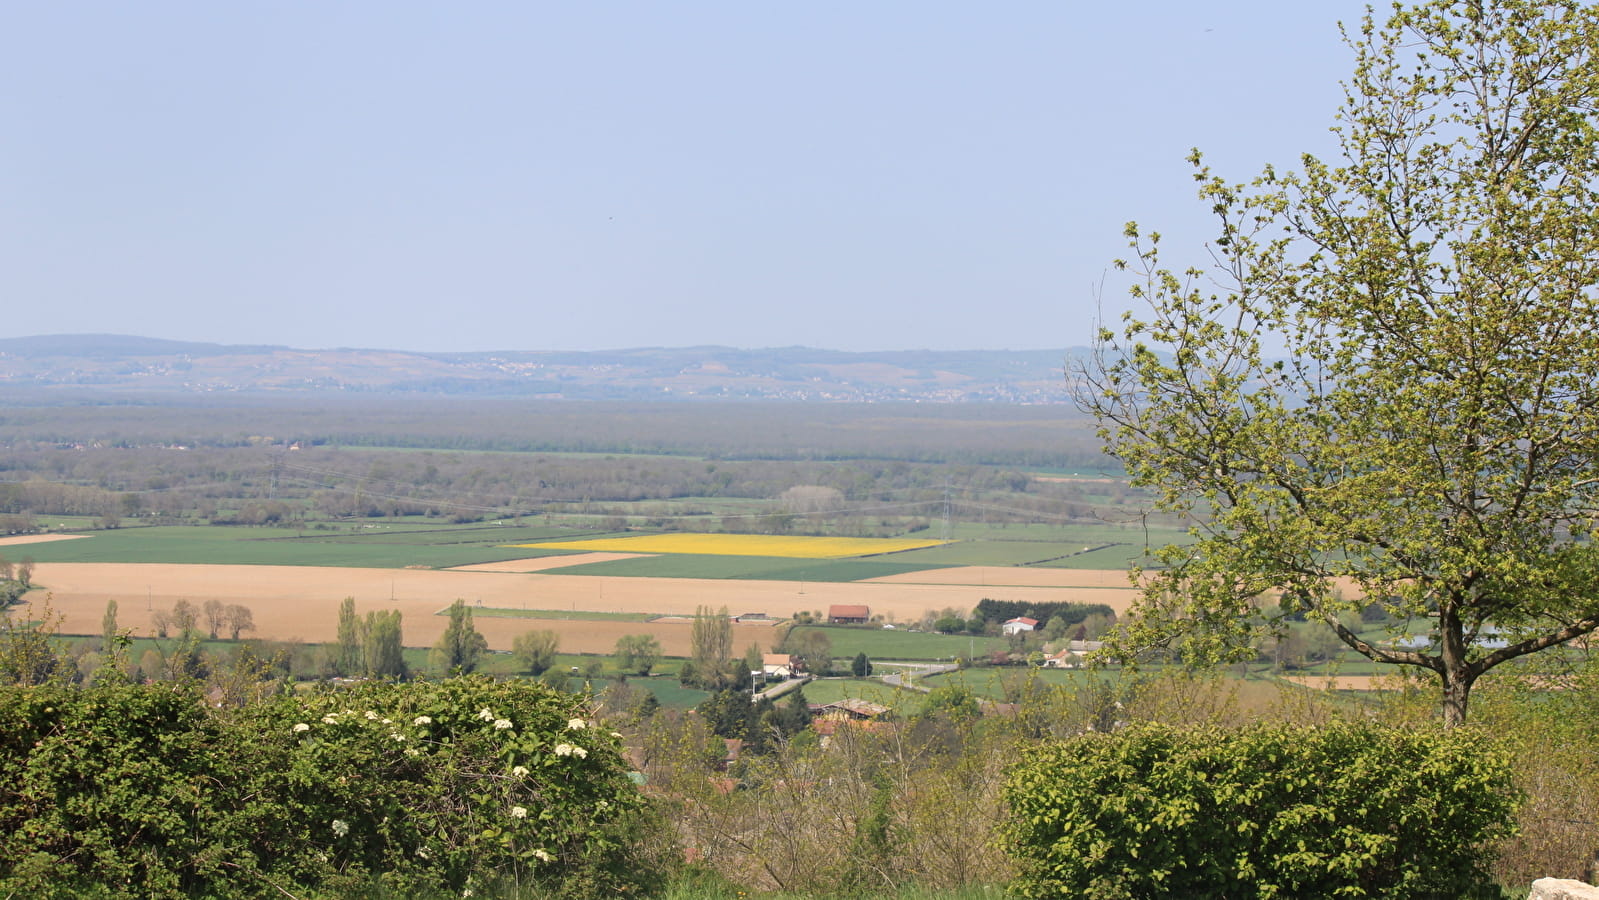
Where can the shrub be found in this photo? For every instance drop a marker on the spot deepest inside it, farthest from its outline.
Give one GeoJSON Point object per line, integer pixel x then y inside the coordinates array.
{"type": "Point", "coordinates": [430, 785]}
{"type": "Point", "coordinates": [1347, 810]}
{"type": "Point", "coordinates": [109, 788]}
{"type": "Point", "coordinates": [141, 791]}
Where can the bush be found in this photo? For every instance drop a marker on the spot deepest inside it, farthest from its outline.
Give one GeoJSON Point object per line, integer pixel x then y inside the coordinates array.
{"type": "Point", "coordinates": [141, 791]}
{"type": "Point", "coordinates": [1348, 810]}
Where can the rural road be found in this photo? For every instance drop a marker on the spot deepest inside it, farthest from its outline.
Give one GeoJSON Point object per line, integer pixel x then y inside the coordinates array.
{"type": "Point", "coordinates": [915, 670]}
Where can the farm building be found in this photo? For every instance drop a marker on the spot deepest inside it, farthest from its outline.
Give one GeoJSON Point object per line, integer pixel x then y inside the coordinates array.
{"type": "Point", "coordinates": [850, 708]}
{"type": "Point", "coordinates": [842, 614]}
{"type": "Point", "coordinates": [1018, 625]}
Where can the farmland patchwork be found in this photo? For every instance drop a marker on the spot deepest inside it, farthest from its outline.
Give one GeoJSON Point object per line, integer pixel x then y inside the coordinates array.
{"type": "Point", "coordinates": [793, 547]}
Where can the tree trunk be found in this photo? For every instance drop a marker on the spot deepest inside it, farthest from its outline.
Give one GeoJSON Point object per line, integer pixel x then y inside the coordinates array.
{"type": "Point", "coordinates": [1457, 692]}
{"type": "Point", "coordinates": [1456, 671]}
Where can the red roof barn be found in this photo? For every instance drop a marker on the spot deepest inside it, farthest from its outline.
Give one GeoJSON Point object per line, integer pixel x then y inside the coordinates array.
{"type": "Point", "coordinates": [841, 614]}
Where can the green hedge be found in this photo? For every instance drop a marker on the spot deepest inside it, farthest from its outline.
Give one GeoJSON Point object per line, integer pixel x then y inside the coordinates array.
{"type": "Point", "coordinates": [412, 789]}
{"type": "Point", "coordinates": [1347, 810]}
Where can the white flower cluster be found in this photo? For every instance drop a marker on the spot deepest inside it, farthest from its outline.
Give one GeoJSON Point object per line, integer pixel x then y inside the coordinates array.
{"type": "Point", "coordinates": [518, 812]}
{"type": "Point", "coordinates": [543, 856]}
{"type": "Point", "coordinates": [571, 750]}
{"type": "Point", "coordinates": [576, 725]}
{"type": "Point", "coordinates": [519, 772]}
{"type": "Point", "coordinates": [373, 716]}
{"type": "Point", "coordinates": [502, 724]}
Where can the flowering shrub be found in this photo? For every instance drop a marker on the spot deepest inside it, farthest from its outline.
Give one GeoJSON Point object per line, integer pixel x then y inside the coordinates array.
{"type": "Point", "coordinates": [417, 788]}
{"type": "Point", "coordinates": [440, 783]}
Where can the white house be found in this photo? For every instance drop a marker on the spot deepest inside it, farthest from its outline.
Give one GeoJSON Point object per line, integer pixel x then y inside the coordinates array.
{"type": "Point", "coordinates": [1018, 625]}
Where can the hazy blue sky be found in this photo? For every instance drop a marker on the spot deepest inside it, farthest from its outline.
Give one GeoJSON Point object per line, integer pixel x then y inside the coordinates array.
{"type": "Point", "coordinates": [588, 175]}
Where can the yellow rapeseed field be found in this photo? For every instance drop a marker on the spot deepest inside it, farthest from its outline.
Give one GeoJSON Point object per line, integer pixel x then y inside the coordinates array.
{"type": "Point", "coordinates": [744, 545]}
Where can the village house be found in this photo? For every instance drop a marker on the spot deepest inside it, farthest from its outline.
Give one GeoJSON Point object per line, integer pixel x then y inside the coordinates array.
{"type": "Point", "coordinates": [1018, 625]}
{"type": "Point", "coordinates": [781, 666]}
{"type": "Point", "coordinates": [1064, 659]}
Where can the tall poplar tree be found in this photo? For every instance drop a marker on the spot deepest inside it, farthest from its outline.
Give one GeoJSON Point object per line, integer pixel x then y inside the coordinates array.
{"type": "Point", "coordinates": [710, 647]}
{"type": "Point", "coordinates": [461, 645]}
{"type": "Point", "coordinates": [349, 660]}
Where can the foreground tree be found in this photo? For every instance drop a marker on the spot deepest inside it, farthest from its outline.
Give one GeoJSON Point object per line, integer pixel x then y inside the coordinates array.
{"type": "Point", "coordinates": [1430, 431]}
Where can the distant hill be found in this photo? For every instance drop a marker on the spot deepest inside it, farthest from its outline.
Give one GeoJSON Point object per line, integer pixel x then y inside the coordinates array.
{"type": "Point", "coordinates": [120, 362]}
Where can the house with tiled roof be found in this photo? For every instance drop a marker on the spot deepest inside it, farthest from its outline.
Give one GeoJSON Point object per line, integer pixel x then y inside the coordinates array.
{"type": "Point", "coordinates": [1018, 625]}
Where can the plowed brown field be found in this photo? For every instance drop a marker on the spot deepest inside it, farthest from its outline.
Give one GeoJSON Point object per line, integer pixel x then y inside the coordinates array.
{"type": "Point", "coordinates": [302, 601]}
{"type": "Point", "coordinates": [37, 538]}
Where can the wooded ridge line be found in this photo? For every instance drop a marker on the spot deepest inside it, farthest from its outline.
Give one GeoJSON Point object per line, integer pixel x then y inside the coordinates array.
{"type": "Point", "coordinates": [690, 373]}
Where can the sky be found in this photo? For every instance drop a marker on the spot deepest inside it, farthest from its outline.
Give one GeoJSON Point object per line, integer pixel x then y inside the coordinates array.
{"type": "Point", "coordinates": [861, 175]}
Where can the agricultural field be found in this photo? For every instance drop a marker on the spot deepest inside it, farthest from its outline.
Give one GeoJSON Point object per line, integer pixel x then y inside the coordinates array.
{"type": "Point", "coordinates": [755, 568]}
{"type": "Point", "coordinates": [301, 601]}
{"type": "Point", "coordinates": [996, 683]}
{"type": "Point", "coordinates": [492, 612]}
{"type": "Point", "coordinates": [378, 546]}
{"type": "Point", "coordinates": [786, 546]}
{"type": "Point", "coordinates": [880, 643]}
{"type": "Point", "coordinates": [903, 701]}
{"type": "Point", "coordinates": [294, 578]}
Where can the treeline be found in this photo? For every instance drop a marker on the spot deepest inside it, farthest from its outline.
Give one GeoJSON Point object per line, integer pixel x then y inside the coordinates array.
{"type": "Point", "coordinates": [271, 484]}
{"type": "Point", "coordinates": [997, 611]}
{"type": "Point", "coordinates": [1035, 437]}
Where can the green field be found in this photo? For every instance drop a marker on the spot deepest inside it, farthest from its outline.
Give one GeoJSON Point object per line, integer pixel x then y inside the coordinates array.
{"type": "Point", "coordinates": [990, 553]}
{"type": "Point", "coordinates": [433, 544]}
{"type": "Point", "coordinates": [669, 692]}
{"type": "Point", "coordinates": [1099, 546]}
{"type": "Point", "coordinates": [990, 683]}
{"type": "Point", "coordinates": [878, 643]}
{"type": "Point", "coordinates": [903, 701]}
{"type": "Point", "coordinates": [381, 546]}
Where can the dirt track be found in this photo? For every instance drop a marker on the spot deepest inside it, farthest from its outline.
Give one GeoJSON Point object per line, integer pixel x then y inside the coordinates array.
{"type": "Point", "coordinates": [302, 601]}
{"type": "Point", "coordinates": [540, 563]}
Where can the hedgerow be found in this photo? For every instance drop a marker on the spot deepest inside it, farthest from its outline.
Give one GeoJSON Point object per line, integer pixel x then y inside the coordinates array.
{"type": "Point", "coordinates": [1346, 810]}
{"type": "Point", "coordinates": [143, 791]}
